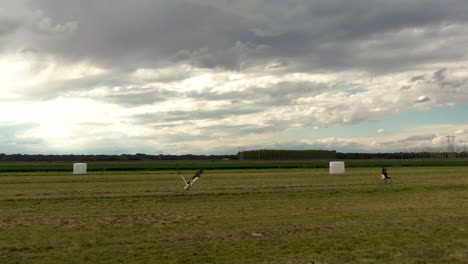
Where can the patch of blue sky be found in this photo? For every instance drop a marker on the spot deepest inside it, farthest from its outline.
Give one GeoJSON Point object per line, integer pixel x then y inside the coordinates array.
{"type": "Point", "coordinates": [397, 123]}
{"type": "Point", "coordinates": [342, 87]}
{"type": "Point", "coordinates": [10, 130]}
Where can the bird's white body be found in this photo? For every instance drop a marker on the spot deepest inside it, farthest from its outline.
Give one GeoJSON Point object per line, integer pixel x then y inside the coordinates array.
{"type": "Point", "coordinates": [188, 184]}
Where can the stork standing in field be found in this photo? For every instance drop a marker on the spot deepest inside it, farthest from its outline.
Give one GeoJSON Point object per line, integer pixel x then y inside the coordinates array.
{"type": "Point", "coordinates": [195, 177]}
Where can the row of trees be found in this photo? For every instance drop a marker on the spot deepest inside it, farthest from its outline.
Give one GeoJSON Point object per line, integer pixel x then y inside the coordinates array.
{"type": "Point", "coordinates": [269, 154]}
{"type": "Point", "coordinates": [403, 155]}
{"type": "Point", "coordinates": [243, 155]}
{"type": "Point", "coordinates": [123, 157]}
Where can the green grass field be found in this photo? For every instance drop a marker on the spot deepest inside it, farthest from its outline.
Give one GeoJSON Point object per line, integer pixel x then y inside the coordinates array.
{"type": "Point", "coordinates": [172, 165]}
{"type": "Point", "coordinates": [301, 215]}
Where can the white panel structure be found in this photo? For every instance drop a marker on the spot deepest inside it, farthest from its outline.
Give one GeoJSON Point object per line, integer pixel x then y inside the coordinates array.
{"type": "Point", "coordinates": [337, 167]}
{"type": "Point", "coordinates": [80, 168]}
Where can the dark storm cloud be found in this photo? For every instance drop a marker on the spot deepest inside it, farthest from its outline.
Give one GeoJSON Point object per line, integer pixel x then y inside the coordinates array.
{"type": "Point", "coordinates": [138, 33]}
{"type": "Point", "coordinates": [7, 26]}
{"type": "Point", "coordinates": [316, 34]}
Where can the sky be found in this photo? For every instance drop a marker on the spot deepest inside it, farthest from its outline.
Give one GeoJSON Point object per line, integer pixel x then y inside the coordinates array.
{"type": "Point", "coordinates": [219, 76]}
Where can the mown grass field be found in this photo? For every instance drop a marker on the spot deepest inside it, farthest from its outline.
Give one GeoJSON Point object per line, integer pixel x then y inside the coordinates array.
{"type": "Point", "coordinates": [172, 165]}
{"type": "Point", "coordinates": [301, 215]}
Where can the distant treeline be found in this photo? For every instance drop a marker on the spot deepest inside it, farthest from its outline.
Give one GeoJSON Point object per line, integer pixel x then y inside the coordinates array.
{"type": "Point", "coordinates": [265, 154]}
{"type": "Point", "coordinates": [403, 155]}
{"type": "Point", "coordinates": [122, 157]}
{"type": "Point", "coordinates": [244, 155]}
{"type": "Point", "coordinates": [269, 154]}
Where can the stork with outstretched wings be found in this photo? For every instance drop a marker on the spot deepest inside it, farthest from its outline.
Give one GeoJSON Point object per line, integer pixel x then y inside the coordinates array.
{"type": "Point", "coordinates": [195, 177]}
{"type": "Point", "coordinates": [384, 176]}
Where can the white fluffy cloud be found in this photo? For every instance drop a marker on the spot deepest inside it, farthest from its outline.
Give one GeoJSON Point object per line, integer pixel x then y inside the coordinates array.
{"type": "Point", "coordinates": [191, 77]}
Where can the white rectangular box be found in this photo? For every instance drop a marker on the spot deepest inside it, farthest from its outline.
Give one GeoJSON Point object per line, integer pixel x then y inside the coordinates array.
{"type": "Point", "coordinates": [80, 168]}
{"type": "Point", "coordinates": [337, 167]}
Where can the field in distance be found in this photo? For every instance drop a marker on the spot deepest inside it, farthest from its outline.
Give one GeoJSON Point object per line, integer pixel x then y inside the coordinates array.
{"type": "Point", "coordinates": [171, 165]}
{"type": "Point", "coordinates": [276, 215]}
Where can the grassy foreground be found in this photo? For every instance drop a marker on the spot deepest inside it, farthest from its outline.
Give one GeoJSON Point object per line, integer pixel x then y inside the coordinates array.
{"type": "Point", "coordinates": [236, 216]}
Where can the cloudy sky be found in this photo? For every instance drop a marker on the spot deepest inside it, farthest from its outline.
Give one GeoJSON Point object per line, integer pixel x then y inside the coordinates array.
{"type": "Point", "coordinates": [213, 76]}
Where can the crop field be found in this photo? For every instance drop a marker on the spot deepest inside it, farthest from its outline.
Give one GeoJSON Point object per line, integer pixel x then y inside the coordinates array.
{"type": "Point", "coordinates": [171, 165]}
{"type": "Point", "coordinates": [269, 215]}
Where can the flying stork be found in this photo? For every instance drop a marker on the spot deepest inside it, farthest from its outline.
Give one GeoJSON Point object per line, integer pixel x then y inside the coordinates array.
{"type": "Point", "coordinates": [384, 176]}
{"type": "Point", "coordinates": [188, 184]}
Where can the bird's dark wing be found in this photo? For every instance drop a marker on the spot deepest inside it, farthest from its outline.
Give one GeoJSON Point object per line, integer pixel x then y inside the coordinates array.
{"type": "Point", "coordinates": [197, 174]}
